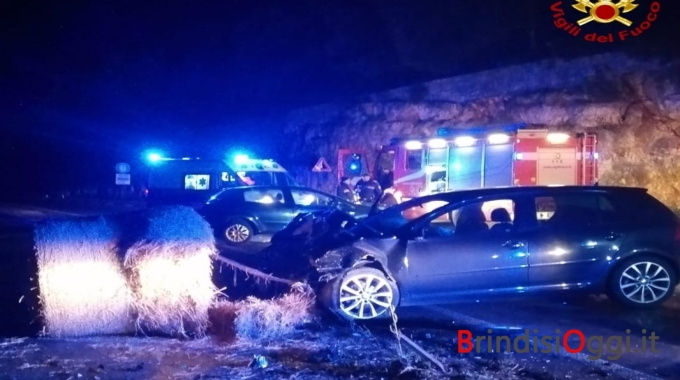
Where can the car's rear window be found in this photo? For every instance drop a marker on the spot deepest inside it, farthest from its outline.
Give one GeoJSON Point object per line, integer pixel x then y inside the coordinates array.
{"type": "Point", "coordinates": [581, 208]}
{"type": "Point", "coordinates": [642, 207]}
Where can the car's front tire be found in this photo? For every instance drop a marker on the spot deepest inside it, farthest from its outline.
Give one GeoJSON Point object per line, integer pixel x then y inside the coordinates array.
{"type": "Point", "coordinates": [237, 231]}
{"type": "Point", "coordinates": [642, 282]}
{"type": "Point", "coordinates": [362, 293]}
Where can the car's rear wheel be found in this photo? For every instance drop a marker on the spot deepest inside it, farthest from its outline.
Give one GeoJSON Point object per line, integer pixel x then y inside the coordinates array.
{"type": "Point", "coordinates": [238, 231]}
{"type": "Point", "coordinates": [643, 282]}
{"type": "Point", "coordinates": [361, 294]}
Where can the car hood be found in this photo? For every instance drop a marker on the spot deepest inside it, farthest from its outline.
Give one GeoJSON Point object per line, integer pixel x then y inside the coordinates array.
{"type": "Point", "coordinates": [323, 239]}
{"type": "Point", "coordinates": [315, 229]}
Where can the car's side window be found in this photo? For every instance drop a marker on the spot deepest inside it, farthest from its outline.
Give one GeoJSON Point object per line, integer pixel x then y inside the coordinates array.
{"type": "Point", "coordinates": [490, 217]}
{"type": "Point", "coordinates": [641, 209]}
{"type": "Point", "coordinates": [422, 209]}
{"type": "Point", "coordinates": [268, 196]}
{"type": "Point", "coordinates": [310, 198]}
{"type": "Point", "coordinates": [567, 210]}
{"type": "Point", "coordinates": [414, 159]}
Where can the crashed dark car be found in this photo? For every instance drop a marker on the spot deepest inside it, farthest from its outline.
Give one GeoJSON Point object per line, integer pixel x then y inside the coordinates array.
{"type": "Point", "coordinates": [488, 243]}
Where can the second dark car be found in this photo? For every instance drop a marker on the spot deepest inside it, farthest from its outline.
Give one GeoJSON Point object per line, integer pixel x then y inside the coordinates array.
{"type": "Point", "coordinates": [238, 214]}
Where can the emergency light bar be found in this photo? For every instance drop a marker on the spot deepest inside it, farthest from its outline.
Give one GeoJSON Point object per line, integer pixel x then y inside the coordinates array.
{"type": "Point", "coordinates": [154, 157]}
{"type": "Point", "coordinates": [557, 138]}
{"type": "Point", "coordinates": [414, 145]}
{"type": "Point", "coordinates": [174, 159]}
{"type": "Point", "coordinates": [437, 143]}
{"type": "Point", "coordinates": [241, 159]}
{"type": "Point", "coordinates": [498, 138]}
{"type": "Point", "coordinates": [465, 141]}
{"type": "Point", "coordinates": [501, 136]}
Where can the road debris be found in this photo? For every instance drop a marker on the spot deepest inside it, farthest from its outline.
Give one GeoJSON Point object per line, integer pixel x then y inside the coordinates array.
{"type": "Point", "coordinates": [259, 361]}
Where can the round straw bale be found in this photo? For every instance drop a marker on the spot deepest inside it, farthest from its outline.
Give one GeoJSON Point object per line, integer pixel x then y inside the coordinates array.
{"type": "Point", "coordinates": [83, 290]}
{"type": "Point", "coordinates": [170, 273]}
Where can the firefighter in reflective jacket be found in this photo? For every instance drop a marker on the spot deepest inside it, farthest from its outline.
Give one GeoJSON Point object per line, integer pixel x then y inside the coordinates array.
{"type": "Point", "coordinates": [345, 190]}
{"type": "Point", "coordinates": [368, 189]}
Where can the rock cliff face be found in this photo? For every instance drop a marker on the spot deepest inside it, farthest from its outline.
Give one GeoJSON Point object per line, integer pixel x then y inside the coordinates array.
{"type": "Point", "coordinates": [633, 104]}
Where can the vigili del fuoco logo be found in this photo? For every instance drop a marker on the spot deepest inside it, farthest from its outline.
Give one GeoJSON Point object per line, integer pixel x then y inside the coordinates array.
{"type": "Point", "coordinates": [586, 19]}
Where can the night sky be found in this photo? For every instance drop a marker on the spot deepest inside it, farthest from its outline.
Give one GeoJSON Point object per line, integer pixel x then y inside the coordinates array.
{"type": "Point", "coordinates": [87, 83]}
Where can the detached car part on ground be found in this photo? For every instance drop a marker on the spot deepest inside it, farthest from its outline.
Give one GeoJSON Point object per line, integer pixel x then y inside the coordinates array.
{"type": "Point", "coordinates": [476, 244]}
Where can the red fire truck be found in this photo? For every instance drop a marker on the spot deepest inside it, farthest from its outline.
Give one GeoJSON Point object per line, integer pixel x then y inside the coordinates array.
{"type": "Point", "coordinates": [460, 159]}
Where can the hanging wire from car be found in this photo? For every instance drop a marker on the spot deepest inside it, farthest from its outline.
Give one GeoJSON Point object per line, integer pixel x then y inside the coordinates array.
{"type": "Point", "coordinates": [400, 336]}
{"type": "Point", "coordinates": [395, 330]}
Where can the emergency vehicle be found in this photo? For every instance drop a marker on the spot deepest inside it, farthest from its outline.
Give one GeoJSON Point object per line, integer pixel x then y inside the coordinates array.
{"type": "Point", "coordinates": [192, 181]}
{"type": "Point", "coordinates": [461, 159]}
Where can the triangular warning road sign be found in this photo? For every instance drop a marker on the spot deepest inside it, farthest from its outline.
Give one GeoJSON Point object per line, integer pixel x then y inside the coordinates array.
{"type": "Point", "coordinates": [321, 166]}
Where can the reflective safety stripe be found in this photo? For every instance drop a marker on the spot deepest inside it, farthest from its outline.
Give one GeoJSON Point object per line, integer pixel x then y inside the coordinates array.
{"type": "Point", "coordinates": [409, 177]}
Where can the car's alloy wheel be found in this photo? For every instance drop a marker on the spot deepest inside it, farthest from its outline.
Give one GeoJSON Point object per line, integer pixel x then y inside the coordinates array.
{"type": "Point", "coordinates": [645, 282]}
{"type": "Point", "coordinates": [365, 293]}
{"type": "Point", "coordinates": [237, 233]}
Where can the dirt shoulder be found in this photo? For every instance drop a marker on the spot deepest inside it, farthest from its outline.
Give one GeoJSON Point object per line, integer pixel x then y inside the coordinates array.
{"type": "Point", "coordinates": [317, 351]}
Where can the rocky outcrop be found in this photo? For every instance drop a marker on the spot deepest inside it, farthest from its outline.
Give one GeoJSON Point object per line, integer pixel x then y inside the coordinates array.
{"type": "Point", "coordinates": [633, 104]}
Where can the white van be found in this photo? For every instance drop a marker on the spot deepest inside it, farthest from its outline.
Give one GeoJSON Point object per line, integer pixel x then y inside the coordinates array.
{"type": "Point", "coordinates": [192, 182]}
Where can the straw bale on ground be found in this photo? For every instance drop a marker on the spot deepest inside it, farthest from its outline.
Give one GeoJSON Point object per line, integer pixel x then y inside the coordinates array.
{"type": "Point", "coordinates": [275, 318]}
{"type": "Point", "coordinates": [170, 273]}
{"type": "Point", "coordinates": [83, 290]}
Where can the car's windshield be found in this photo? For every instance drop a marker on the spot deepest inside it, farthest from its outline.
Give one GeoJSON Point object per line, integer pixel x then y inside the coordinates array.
{"type": "Point", "coordinates": [396, 217]}
{"type": "Point", "coordinates": [308, 197]}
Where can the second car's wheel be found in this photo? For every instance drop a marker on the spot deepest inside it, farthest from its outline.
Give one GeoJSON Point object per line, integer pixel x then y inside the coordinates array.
{"type": "Point", "coordinates": [362, 293]}
{"type": "Point", "coordinates": [643, 282]}
{"type": "Point", "coordinates": [238, 231]}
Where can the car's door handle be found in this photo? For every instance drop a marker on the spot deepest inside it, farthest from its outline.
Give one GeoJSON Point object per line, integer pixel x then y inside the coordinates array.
{"type": "Point", "coordinates": [612, 236]}
{"type": "Point", "coordinates": [512, 244]}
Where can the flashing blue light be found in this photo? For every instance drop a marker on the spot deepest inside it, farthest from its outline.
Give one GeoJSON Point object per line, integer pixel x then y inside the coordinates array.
{"type": "Point", "coordinates": [241, 159]}
{"type": "Point", "coordinates": [353, 167]}
{"type": "Point", "coordinates": [154, 157]}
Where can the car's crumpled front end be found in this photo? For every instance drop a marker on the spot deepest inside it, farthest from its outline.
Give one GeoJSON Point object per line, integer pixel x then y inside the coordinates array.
{"type": "Point", "coordinates": [320, 245]}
